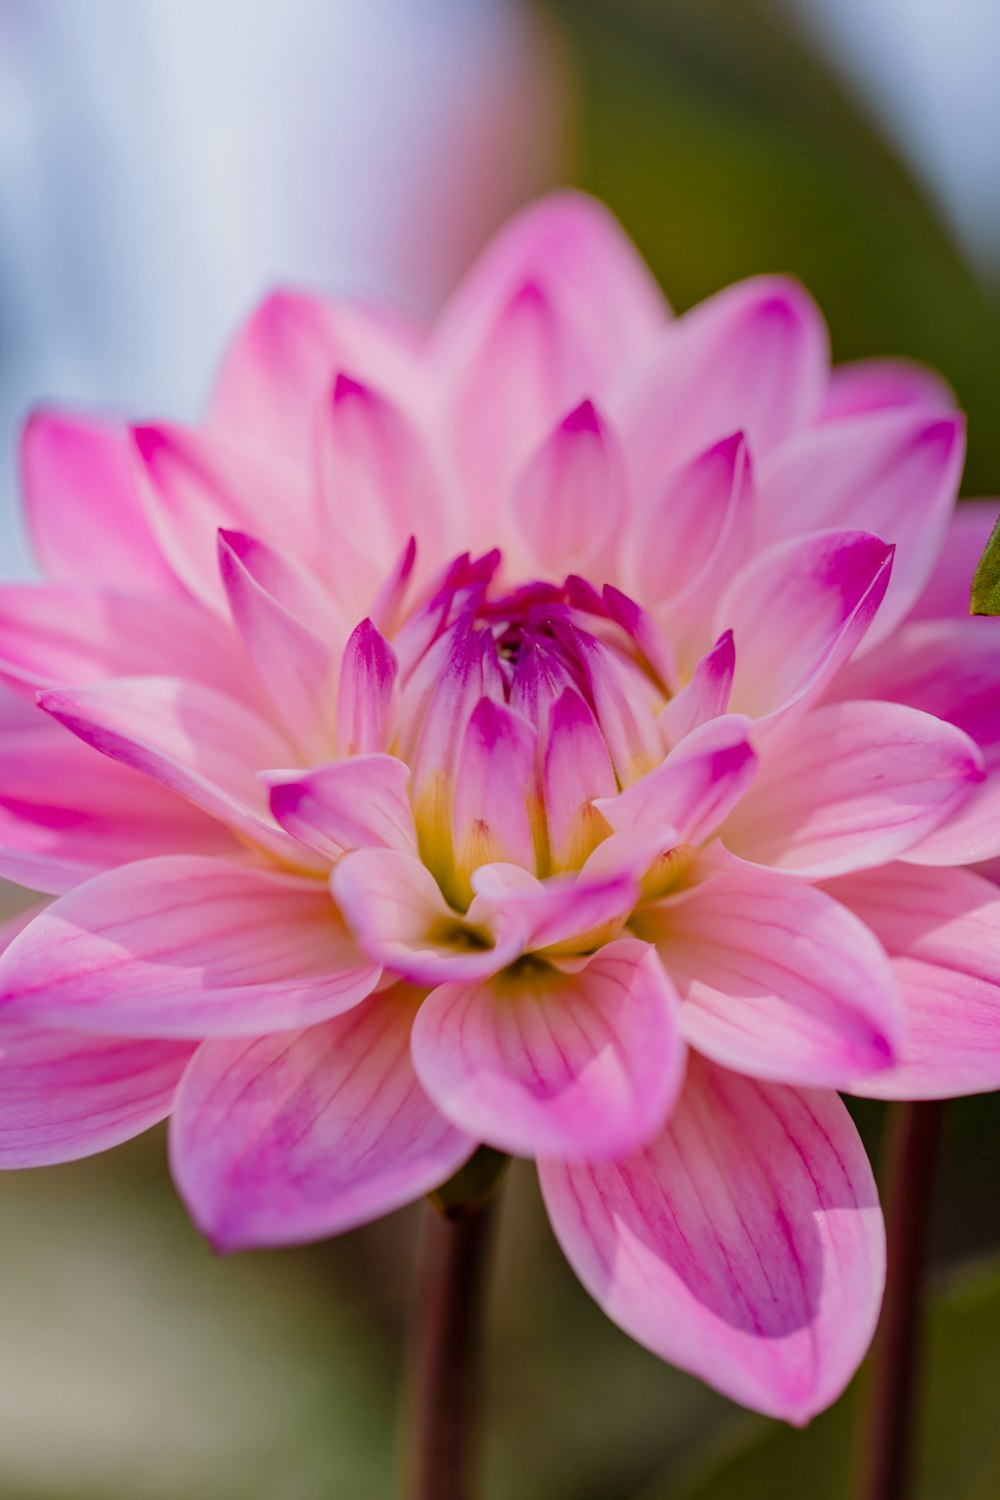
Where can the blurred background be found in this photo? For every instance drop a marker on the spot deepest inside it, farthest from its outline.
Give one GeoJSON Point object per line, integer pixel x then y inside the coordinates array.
{"type": "Point", "coordinates": [163, 162]}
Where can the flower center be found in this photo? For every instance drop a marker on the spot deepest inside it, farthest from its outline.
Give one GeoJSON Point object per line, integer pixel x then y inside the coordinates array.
{"type": "Point", "coordinates": [518, 709]}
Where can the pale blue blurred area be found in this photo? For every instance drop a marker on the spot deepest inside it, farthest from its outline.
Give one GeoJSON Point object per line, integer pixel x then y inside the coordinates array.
{"type": "Point", "coordinates": [164, 162]}
{"type": "Point", "coordinates": [929, 73]}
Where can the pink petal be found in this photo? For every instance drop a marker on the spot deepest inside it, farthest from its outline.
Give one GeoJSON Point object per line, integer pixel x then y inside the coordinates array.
{"type": "Point", "coordinates": [946, 592]}
{"type": "Point", "coordinates": [777, 980]}
{"type": "Point", "coordinates": [286, 1139]}
{"type": "Point", "coordinates": [495, 788]}
{"type": "Point", "coordinates": [689, 538]}
{"type": "Point", "coordinates": [706, 696]}
{"type": "Point", "coordinates": [950, 668]}
{"type": "Point", "coordinates": [605, 298]}
{"type": "Point", "coordinates": [350, 804]}
{"type": "Point", "coordinates": [66, 1095]}
{"type": "Point", "coordinates": [700, 781]}
{"type": "Point", "coordinates": [567, 505]}
{"type": "Point", "coordinates": [84, 514]}
{"type": "Point", "coordinates": [67, 812]}
{"type": "Point", "coordinates": [366, 703]}
{"type": "Point", "coordinates": [941, 929]}
{"type": "Point", "coordinates": [59, 634]}
{"type": "Point", "coordinates": [281, 365]}
{"type": "Point", "coordinates": [505, 387]}
{"type": "Point", "coordinates": [576, 770]}
{"type": "Point", "coordinates": [875, 384]}
{"type": "Point", "coordinates": [292, 584]}
{"type": "Point", "coordinates": [193, 483]}
{"type": "Point", "coordinates": [380, 486]}
{"type": "Point", "coordinates": [396, 911]}
{"type": "Point", "coordinates": [797, 611]}
{"type": "Point", "coordinates": [752, 359]}
{"type": "Point", "coordinates": [562, 911]}
{"type": "Point", "coordinates": [185, 947]}
{"type": "Point", "coordinates": [535, 1061]}
{"type": "Point", "coordinates": [196, 741]}
{"type": "Point", "coordinates": [745, 1245]}
{"type": "Point", "coordinates": [894, 473]}
{"type": "Point", "coordinates": [850, 785]}
{"type": "Point", "coordinates": [294, 665]}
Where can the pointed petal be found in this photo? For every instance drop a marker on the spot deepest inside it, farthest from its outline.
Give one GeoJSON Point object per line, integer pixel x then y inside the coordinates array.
{"type": "Point", "coordinates": [366, 702]}
{"type": "Point", "coordinates": [746, 1245]}
{"type": "Point", "coordinates": [876, 384]}
{"type": "Point", "coordinates": [84, 514]}
{"type": "Point", "coordinates": [777, 980]}
{"type": "Point", "coordinates": [66, 1095]}
{"type": "Point", "coordinates": [281, 1140]}
{"type": "Point", "coordinates": [848, 786]}
{"type": "Point", "coordinates": [576, 770]}
{"type": "Point", "coordinates": [61, 634]}
{"type": "Point", "coordinates": [700, 781]}
{"type": "Point", "coordinates": [396, 911]}
{"type": "Point", "coordinates": [706, 696]}
{"type": "Point", "coordinates": [192, 484]}
{"type": "Point", "coordinates": [184, 947]}
{"type": "Point", "coordinates": [379, 487]}
{"type": "Point", "coordinates": [196, 741]}
{"type": "Point", "coordinates": [295, 666]}
{"type": "Point", "coordinates": [689, 538]}
{"type": "Point", "coordinates": [278, 370]}
{"type": "Point", "coordinates": [606, 299]}
{"type": "Point", "coordinates": [893, 473]}
{"type": "Point", "coordinates": [941, 929]}
{"type": "Point", "coordinates": [797, 611]}
{"type": "Point", "coordinates": [581, 1065]}
{"type": "Point", "coordinates": [67, 812]}
{"type": "Point", "coordinates": [567, 505]}
{"type": "Point", "coordinates": [495, 789]}
{"type": "Point", "coordinates": [350, 804]}
{"type": "Point", "coordinates": [752, 359]}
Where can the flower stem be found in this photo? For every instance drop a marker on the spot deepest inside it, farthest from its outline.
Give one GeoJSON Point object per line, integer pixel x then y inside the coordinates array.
{"type": "Point", "coordinates": [888, 1427]}
{"type": "Point", "coordinates": [445, 1374]}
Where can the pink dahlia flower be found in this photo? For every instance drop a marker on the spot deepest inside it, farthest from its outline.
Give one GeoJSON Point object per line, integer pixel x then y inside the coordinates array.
{"type": "Point", "coordinates": [553, 730]}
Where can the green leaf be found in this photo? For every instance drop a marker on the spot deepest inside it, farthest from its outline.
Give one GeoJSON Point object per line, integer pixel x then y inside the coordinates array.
{"type": "Point", "coordinates": [959, 1440]}
{"type": "Point", "coordinates": [986, 583]}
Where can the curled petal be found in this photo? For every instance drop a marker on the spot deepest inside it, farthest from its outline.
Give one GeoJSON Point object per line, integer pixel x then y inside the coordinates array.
{"type": "Point", "coordinates": [190, 738]}
{"type": "Point", "coordinates": [894, 473]}
{"type": "Point", "coordinates": [777, 980]}
{"type": "Point", "coordinates": [184, 947]}
{"type": "Point", "coordinates": [281, 1140]}
{"type": "Point", "coordinates": [851, 785]}
{"type": "Point", "coordinates": [536, 1061]}
{"type": "Point", "coordinates": [68, 1095]}
{"type": "Point", "coordinates": [495, 790]}
{"type": "Point", "coordinates": [349, 804]}
{"type": "Point", "coordinates": [745, 1245]}
{"type": "Point", "coordinates": [941, 929]}
{"type": "Point", "coordinates": [706, 696]}
{"type": "Point", "coordinates": [700, 781]}
{"type": "Point", "coordinates": [798, 611]}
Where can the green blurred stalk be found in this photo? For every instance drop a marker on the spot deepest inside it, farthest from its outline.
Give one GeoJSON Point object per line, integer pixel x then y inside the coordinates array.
{"type": "Point", "coordinates": [886, 1457]}
{"type": "Point", "coordinates": [445, 1370]}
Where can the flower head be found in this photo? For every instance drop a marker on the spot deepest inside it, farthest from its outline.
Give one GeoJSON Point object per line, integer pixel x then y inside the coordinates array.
{"type": "Point", "coordinates": [545, 731]}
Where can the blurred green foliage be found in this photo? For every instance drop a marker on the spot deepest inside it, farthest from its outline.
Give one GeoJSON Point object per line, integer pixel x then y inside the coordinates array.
{"type": "Point", "coordinates": [986, 584]}
{"type": "Point", "coordinates": [727, 149]}
{"type": "Point", "coordinates": [959, 1447]}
